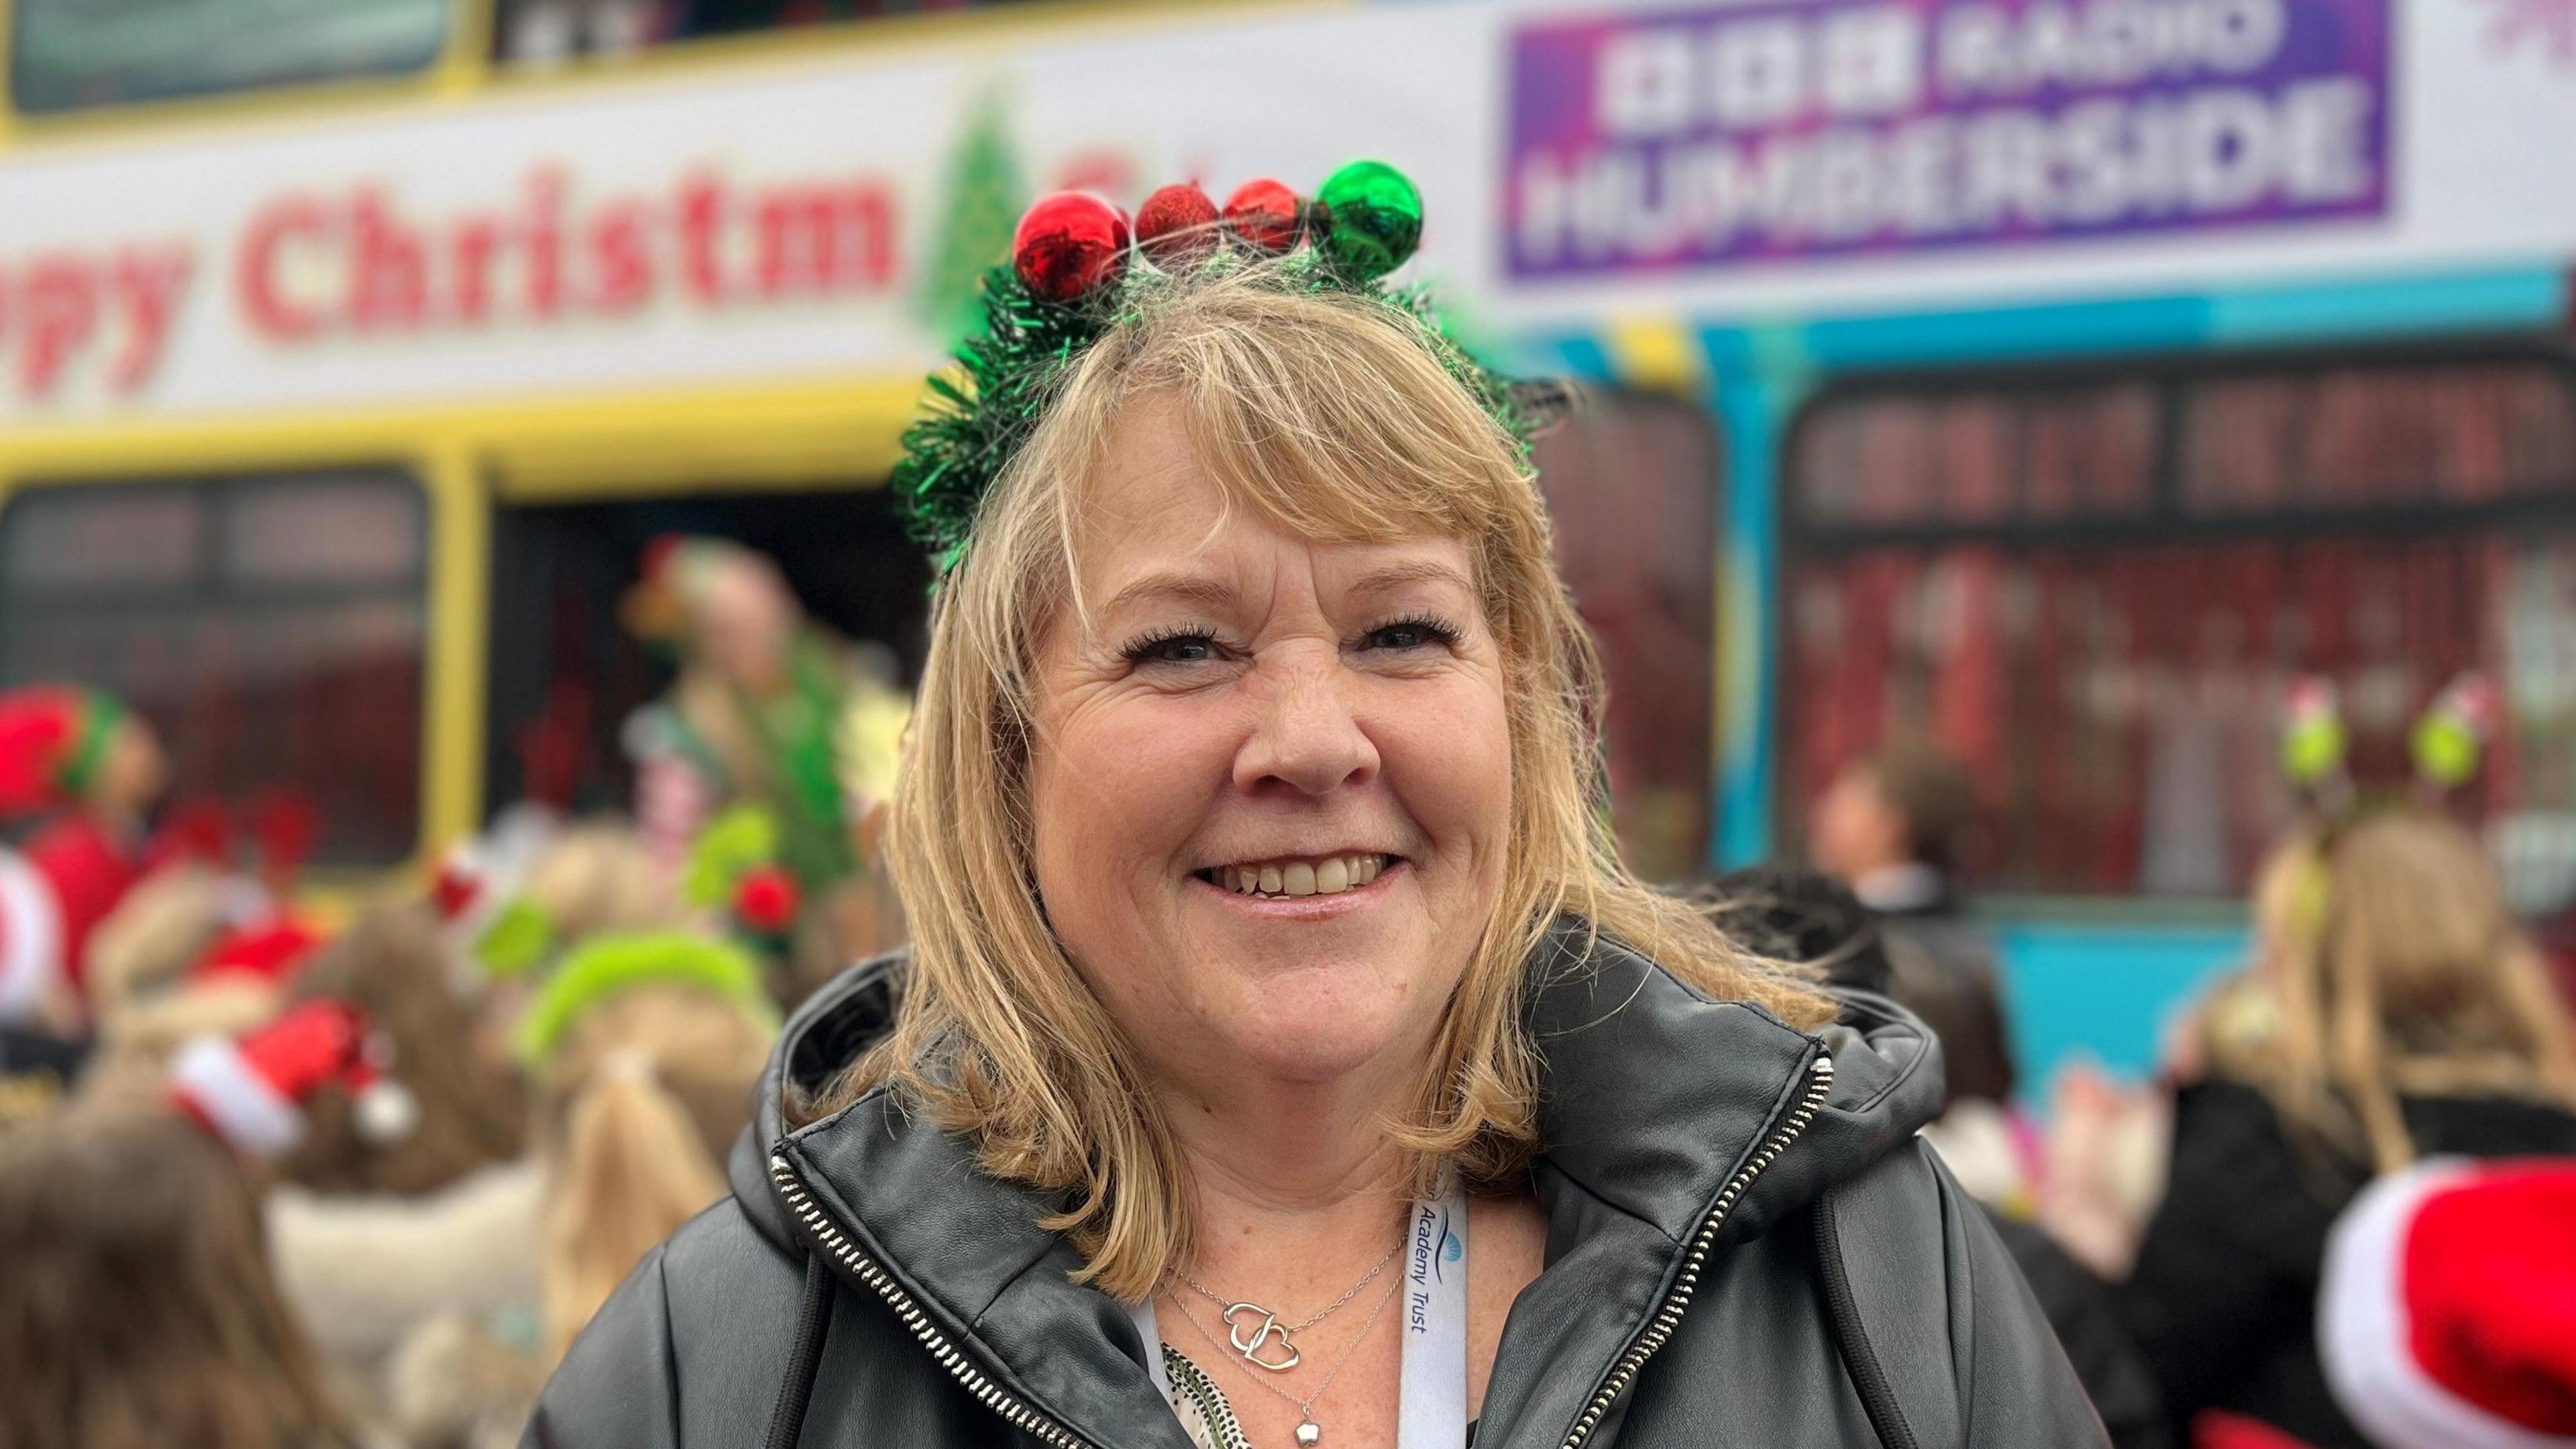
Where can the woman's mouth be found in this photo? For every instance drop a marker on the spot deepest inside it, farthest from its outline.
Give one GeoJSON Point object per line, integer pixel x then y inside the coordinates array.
{"type": "Point", "coordinates": [1295, 877]}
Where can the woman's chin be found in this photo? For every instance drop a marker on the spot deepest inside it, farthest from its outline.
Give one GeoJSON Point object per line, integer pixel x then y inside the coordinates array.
{"type": "Point", "coordinates": [1319, 1023]}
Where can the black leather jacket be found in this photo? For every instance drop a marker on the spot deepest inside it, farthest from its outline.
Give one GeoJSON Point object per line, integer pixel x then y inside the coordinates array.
{"type": "Point", "coordinates": [1747, 1246]}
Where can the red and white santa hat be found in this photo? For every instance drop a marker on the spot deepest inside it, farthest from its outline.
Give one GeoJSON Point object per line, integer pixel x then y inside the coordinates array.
{"type": "Point", "coordinates": [251, 1091]}
{"type": "Point", "coordinates": [2447, 1315]}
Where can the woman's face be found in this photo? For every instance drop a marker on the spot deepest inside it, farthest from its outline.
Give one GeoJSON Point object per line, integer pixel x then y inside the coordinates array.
{"type": "Point", "coordinates": [1271, 779]}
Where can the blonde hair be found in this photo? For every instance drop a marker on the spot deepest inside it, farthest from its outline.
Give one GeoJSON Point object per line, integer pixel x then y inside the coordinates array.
{"type": "Point", "coordinates": [646, 1093]}
{"type": "Point", "coordinates": [2392, 967]}
{"type": "Point", "coordinates": [600, 878]}
{"type": "Point", "coordinates": [1332, 416]}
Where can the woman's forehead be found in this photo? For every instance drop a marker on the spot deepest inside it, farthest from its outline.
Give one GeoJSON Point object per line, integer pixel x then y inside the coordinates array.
{"type": "Point", "coordinates": [1240, 562]}
{"type": "Point", "coordinates": [1152, 498]}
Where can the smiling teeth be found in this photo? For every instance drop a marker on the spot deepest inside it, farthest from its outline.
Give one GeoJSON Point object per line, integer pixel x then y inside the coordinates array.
{"type": "Point", "coordinates": [1327, 877]}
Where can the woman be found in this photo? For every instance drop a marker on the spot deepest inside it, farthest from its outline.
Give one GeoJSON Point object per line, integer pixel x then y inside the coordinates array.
{"type": "Point", "coordinates": [2394, 1013]}
{"type": "Point", "coordinates": [1283, 1058]}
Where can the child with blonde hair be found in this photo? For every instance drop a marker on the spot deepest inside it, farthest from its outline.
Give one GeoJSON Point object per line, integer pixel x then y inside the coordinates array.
{"type": "Point", "coordinates": [2395, 1012]}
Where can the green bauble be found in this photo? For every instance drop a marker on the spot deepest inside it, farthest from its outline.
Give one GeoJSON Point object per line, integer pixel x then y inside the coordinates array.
{"type": "Point", "coordinates": [1374, 218]}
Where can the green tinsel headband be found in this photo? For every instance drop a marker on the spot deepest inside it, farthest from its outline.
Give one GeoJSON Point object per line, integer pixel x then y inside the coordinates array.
{"type": "Point", "coordinates": [606, 965]}
{"type": "Point", "coordinates": [1070, 280]}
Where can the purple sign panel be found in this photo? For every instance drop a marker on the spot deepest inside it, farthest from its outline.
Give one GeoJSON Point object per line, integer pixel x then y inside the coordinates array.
{"type": "Point", "coordinates": [1721, 134]}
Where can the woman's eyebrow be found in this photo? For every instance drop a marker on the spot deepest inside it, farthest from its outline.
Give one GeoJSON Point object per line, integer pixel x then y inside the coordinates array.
{"type": "Point", "coordinates": [1179, 586]}
{"type": "Point", "coordinates": [1388, 577]}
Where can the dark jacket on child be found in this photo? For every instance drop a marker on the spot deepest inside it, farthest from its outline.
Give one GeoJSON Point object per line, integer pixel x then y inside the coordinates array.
{"type": "Point", "coordinates": [2223, 1300]}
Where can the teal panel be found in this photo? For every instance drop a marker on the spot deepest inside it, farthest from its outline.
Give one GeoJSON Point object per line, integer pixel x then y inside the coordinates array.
{"type": "Point", "coordinates": [2509, 301]}
{"type": "Point", "coordinates": [2103, 992]}
{"type": "Point", "coordinates": [2003, 333]}
{"type": "Point", "coordinates": [1582, 356]}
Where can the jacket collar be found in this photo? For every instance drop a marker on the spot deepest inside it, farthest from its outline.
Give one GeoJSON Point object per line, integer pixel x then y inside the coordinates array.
{"type": "Point", "coordinates": [1654, 1100]}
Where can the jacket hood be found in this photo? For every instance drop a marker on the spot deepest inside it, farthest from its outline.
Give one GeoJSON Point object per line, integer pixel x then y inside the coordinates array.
{"type": "Point", "coordinates": [1656, 1101]}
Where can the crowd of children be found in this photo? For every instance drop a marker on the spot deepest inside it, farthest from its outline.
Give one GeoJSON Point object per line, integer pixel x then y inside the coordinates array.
{"type": "Point", "coordinates": [382, 1180]}
{"type": "Point", "coordinates": [282, 1168]}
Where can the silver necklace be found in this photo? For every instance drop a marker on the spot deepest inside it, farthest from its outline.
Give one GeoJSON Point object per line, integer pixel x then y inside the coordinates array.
{"type": "Point", "coordinates": [1243, 1316]}
{"type": "Point", "coordinates": [1309, 1433]}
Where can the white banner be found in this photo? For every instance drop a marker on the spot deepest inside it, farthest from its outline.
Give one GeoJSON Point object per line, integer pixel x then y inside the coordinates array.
{"type": "Point", "coordinates": [789, 219]}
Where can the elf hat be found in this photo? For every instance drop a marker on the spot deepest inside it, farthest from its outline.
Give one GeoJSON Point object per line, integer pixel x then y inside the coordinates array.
{"type": "Point", "coordinates": [251, 1092]}
{"type": "Point", "coordinates": [2447, 1315]}
{"type": "Point", "coordinates": [51, 740]}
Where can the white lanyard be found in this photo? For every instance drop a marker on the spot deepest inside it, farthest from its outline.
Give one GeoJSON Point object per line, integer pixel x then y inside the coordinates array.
{"type": "Point", "coordinates": [1435, 1327]}
{"type": "Point", "coordinates": [1433, 1412]}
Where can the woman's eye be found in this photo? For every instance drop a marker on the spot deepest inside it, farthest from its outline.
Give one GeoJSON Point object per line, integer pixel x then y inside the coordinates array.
{"type": "Point", "coordinates": [1173, 649]}
{"type": "Point", "coordinates": [1408, 634]}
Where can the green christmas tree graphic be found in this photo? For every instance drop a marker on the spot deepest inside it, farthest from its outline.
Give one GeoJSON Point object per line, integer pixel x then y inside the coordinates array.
{"type": "Point", "coordinates": [985, 196]}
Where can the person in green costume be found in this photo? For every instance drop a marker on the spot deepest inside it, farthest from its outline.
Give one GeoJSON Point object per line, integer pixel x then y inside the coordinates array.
{"type": "Point", "coordinates": [756, 716]}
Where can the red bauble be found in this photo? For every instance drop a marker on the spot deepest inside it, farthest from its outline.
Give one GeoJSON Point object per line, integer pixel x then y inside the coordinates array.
{"type": "Point", "coordinates": [1176, 225]}
{"type": "Point", "coordinates": [766, 901]}
{"type": "Point", "coordinates": [1069, 243]}
{"type": "Point", "coordinates": [1265, 214]}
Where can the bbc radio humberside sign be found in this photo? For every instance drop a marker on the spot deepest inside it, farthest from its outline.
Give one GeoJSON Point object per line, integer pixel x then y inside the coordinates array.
{"type": "Point", "coordinates": [1731, 133]}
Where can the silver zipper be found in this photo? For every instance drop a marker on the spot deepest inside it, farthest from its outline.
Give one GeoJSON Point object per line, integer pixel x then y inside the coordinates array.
{"type": "Point", "coordinates": [1820, 1081]}
{"type": "Point", "coordinates": [1016, 1412]}
{"type": "Point", "coordinates": [1021, 1415]}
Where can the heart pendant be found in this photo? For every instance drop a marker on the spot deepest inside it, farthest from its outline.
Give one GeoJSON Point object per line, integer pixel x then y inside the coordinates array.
{"type": "Point", "coordinates": [1263, 1325]}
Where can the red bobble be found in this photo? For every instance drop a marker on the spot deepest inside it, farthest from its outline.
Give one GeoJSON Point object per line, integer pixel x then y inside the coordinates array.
{"type": "Point", "coordinates": [1176, 224]}
{"type": "Point", "coordinates": [1069, 243]}
{"type": "Point", "coordinates": [766, 901]}
{"type": "Point", "coordinates": [1265, 214]}
{"type": "Point", "coordinates": [458, 886]}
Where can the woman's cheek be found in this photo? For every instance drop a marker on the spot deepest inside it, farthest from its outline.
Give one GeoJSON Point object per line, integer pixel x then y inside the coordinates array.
{"type": "Point", "coordinates": [1449, 758]}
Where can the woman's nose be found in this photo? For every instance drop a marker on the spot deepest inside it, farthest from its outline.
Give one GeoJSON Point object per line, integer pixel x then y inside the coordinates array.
{"type": "Point", "coordinates": [1307, 737]}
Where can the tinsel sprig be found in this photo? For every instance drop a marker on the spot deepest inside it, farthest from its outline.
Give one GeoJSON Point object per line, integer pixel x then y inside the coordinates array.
{"type": "Point", "coordinates": [983, 410]}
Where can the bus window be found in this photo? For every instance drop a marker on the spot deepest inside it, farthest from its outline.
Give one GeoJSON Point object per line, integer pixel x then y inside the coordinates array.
{"type": "Point", "coordinates": [2354, 436]}
{"type": "Point", "coordinates": [1632, 481]}
{"type": "Point", "coordinates": [540, 33]}
{"type": "Point", "coordinates": [567, 674]}
{"type": "Point", "coordinates": [69, 54]}
{"type": "Point", "coordinates": [2114, 676]}
{"type": "Point", "coordinates": [270, 627]}
{"type": "Point", "coordinates": [1980, 456]}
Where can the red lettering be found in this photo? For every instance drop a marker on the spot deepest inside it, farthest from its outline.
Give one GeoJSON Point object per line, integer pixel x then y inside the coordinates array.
{"type": "Point", "coordinates": [473, 245]}
{"type": "Point", "coordinates": [825, 239]}
{"type": "Point", "coordinates": [147, 287]}
{"type": "Point", "coordinates": [59, 300]}
{"type": "Point", "coordinates": [702, 218]}
{"type": "Point", "coordinates": [388, 276]}
{"type": "Point", "coordinates": [256, 277]}
{"type": "Point", "coordinates": [620, 256]}
{"type": "Point", "coordinates": [545, 242]}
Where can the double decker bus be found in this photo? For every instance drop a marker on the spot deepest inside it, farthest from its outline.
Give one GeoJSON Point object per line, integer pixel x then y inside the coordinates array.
{"type": "Point", "coordinates": [2060, 377]}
